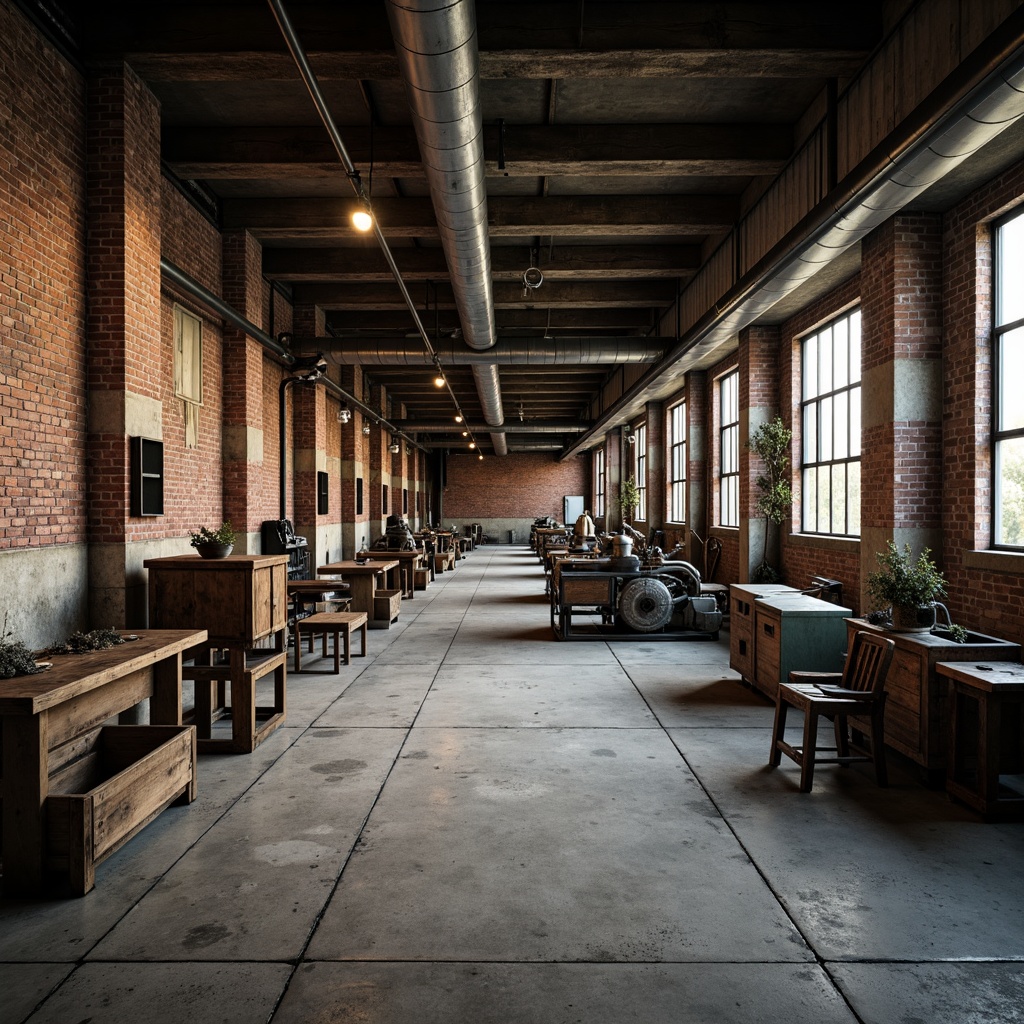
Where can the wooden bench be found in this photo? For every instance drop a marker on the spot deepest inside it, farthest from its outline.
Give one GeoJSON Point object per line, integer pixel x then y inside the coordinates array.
{"type": "Point", "coordinates": [340, 625]}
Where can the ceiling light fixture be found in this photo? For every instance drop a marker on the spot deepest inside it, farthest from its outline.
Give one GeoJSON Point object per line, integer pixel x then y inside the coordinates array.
{"type": "Point", "coordinates": [481, 456]}
{"type": "Point", "coordinates": [458, 417]}
{"type": "Point", "coordinates": [394, 447]}
{"type": "Point", "coordinates": [472, 444]}
{"type": "Point", "coordinates": [362, 216]}
{"type": "Point", "coordinates": [344, 414]}
{"type": "Point", "coordinates": [439, 381]}
{"type": "Point", "coordinates": [366, 429]}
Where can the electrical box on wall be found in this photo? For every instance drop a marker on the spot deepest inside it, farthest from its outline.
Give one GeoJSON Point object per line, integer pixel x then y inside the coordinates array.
{"type": "Point", "coordinates": [147, 477]}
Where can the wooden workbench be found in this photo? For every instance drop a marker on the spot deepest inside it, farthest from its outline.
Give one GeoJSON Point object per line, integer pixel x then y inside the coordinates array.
{"type": "Point", "coordinates": [53, 721]}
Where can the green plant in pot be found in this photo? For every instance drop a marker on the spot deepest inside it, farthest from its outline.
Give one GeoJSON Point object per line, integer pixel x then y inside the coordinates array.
{"type": "Point", "coordinates": [770, 442]}
{"type": "Point", "coordinates": [909, 586]}
{"type": "Point", "coordinates": [629, 498]}
{"type": "Point", "coordinates": [217, 543]}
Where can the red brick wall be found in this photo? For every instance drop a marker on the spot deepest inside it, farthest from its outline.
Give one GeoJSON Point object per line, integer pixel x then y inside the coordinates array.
{"type": "Point", "coordinates": [524, 485]}
{"type": "Point", "coordinates": [192, 476]}
{"type": "Point", "coordinates": [42, 292]}
{"type": "Point", "coordinates": [984, 599]}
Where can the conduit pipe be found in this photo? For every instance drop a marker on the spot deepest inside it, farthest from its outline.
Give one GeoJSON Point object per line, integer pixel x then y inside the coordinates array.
{"type": "Point", "coordinates": [295, 48]}
{"type": "Point", "coordinates": [436, 44]}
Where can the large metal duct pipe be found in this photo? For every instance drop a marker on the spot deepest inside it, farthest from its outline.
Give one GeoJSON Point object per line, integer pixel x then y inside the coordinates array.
{"type": "Point", "coordinates": [368, 351]}
{"type": "Point", "coordinates": [438, 57]}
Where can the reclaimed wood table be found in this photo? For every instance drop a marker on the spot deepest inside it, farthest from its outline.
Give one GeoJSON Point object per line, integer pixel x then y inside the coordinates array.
{"type": "Point", "coordinates": [381, 605]}
{"type": "Point", "coordinates": [985, 766]}
{"type": "Point", "coordinates": [242, 601]}
{"type": "Point", "coordinates": [408, 563]}
{"type": "Point", "coordinates": [52, 722]}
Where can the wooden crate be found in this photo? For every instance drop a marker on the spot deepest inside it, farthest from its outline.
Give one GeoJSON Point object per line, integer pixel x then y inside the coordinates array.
{"type": "Point", "coordinates": [102, 799]}
{"type": "Point", "coordinates": [386, 605]}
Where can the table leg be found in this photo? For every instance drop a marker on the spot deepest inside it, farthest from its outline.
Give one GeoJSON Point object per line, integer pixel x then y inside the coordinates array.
{"type": "Point", "coordinates": [26, 785]}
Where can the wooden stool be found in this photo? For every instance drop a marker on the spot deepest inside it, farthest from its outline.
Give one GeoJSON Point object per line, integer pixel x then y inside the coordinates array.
{"type": "Point", "coordinates": [340, 625]}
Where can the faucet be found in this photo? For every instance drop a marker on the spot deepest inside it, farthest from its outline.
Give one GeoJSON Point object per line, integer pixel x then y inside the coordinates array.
{"type": "Point", "coordinates": [945, 611]}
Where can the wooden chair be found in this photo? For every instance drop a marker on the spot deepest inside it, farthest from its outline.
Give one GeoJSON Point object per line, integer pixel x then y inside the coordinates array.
{"type": "Point", "coordinates": [857, 690]}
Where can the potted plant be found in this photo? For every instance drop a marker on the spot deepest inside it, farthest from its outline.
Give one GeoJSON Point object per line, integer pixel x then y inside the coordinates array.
{"type": "Point", "coordinates": [629, 498]}
{"type": "Point", "coordinates": [15, 658]}
{"type": "Point", "coordinates": [770, 442]}
{"type": "Point", "coordinates": [909, 586]}
{"type": "Point", "coordinates": [217, 543]}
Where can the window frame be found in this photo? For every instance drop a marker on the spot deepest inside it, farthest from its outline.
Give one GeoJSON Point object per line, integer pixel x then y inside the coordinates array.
{"type": "Point", "coordinates": [729, 441]}
{"type": "Point", "coordinates": [677, 465]}
{"type": "Point", "coordinates": [1000, 435]}
{"type": "Point", "coordinates": [600, 483]}
{"type": "Point", "coordinates": [640, 470]}
{"type": "Point", "coordinates": [188, 356]}
{"type": "Point", "coordinates": [821, 405]}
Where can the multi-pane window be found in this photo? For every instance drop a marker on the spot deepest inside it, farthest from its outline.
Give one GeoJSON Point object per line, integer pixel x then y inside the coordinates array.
{"type": "Point", "coordinates": [1008, 409]}
{"type": "Point", "coordinates": [729, 449]}
{"type": "Point", "coordinates": [640, 462]}
{"type": "Point", "coordinates": [830, 388]}
{"type": "Point", "coordinates": [677, 463]}
{"type": "Point", "coordinates": [599, 484]}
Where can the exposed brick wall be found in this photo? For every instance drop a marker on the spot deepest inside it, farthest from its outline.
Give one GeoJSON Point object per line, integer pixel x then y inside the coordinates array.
{"type": "Point", "coordinates": [42, 291]}
{"type": "Point", "coordinates": [980, 598]}
{"type": "Point", "coordinates": [123, 267]}
{"type": "Point", "coordinates": [522, 485]}
{"type": "Point", "coordinates": [192, 476]}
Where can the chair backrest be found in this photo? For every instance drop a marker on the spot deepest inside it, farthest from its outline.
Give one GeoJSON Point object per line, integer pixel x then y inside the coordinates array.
{"type": "Point", "coordinates": [868, 662]}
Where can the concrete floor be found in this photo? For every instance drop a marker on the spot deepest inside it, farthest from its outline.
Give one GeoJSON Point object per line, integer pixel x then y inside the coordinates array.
{"type": "Point", "coordinates": [479, 824]}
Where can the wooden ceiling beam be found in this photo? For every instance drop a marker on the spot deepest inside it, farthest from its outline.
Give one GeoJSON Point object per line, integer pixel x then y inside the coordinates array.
{"type": "Point", "coordinates": [572, 294]}
{"type": "Point", "coordinates": [327, 220]}
{"type": "Point", "coordinates": [559, 322]}
{"type": "Point", "coordinates": [562, 263]}
{"type": "Point", "coordinates": [530, 150]}
{"type": "Point", "coordinates": [711, 63]}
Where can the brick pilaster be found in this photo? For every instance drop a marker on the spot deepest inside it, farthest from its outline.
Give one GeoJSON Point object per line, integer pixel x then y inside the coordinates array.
{"type": "Point", "coordinates": [901, 438]}
{"type": "Point", "coordinates": [125, 359]}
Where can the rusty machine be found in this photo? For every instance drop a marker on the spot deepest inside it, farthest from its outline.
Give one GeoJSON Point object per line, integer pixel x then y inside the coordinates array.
{"type": "Point", "coordinates": [646, 595]}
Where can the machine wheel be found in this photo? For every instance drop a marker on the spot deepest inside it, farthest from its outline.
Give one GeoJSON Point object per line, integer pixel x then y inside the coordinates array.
{"type": "Point", "coordinates": [645, 604]}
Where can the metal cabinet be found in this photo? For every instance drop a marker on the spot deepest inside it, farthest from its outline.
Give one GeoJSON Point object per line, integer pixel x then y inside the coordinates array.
{"type": "Point", "coordinates": [796, 632]}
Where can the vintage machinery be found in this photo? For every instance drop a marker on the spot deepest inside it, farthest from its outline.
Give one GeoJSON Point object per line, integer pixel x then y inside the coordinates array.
{"type": "Point", "coordinates": [631, 601]}
{"type": "Point", "coordinates": [396, 537]}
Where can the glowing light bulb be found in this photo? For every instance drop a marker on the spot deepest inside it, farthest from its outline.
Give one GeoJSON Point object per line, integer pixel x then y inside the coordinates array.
{"type": "Point", "coordinates": [472, 444]}
{"type": "Point", "coordinates": [361, 220]}
{"type": "Point", "coordinates": [439, 381]}
{"type": "Point", "coordinates": [458, 417]}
